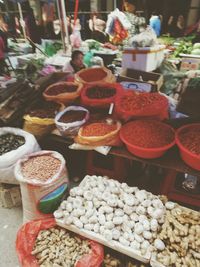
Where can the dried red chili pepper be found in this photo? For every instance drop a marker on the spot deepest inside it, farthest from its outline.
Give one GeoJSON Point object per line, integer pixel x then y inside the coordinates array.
{"type": "Point", "coordinates": [148, 134]}
{"type": "Point", "coordinates": [190, 139]}
{"type": "Point", "coordinates": [98, 129]}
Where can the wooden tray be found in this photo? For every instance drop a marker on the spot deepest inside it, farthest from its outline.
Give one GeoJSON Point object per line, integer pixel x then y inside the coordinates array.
{"type": "Point", "coordinates": [111, 244]}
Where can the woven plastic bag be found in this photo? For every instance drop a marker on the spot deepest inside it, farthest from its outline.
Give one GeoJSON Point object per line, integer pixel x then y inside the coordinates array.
{"type": "Point", "coordinates": [38, 126]}
{"type": "Point", "coordinates": [144, 106]}
{"type": "Point", "coordinates": [27, 235]}
{"type": "Point", "coordinates": [9, 159]}
{"type": "Point", "coordinates": [98, 101]}
{"type": "Point", "coordinates": [41, 198]}
{"type": "Point", "coordinates": [70, 129]}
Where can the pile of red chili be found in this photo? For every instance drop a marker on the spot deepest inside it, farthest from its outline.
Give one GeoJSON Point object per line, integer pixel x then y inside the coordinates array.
{"type": "Point", "coordinates": [148, 134]}
{"type": "Point", "coordinates": [93, 74]}
{"type": "Point", "coordinates": [98, 92]}
{"type": "Point", "coordinates": [98, 129]}
{"type": "Point", "coordinates": [190, 139]}
{"type": "Point", "coordinates": [137, 101]}
{"type": "Point", "coordinates": [61, 88]}
{"type": "Point", "coordinates": [72, 116]}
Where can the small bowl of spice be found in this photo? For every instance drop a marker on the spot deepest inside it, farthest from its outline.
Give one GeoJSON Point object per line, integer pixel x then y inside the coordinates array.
{"type": "Point", "coordinates": [188, 141]}
{"type": "Point", "coordinates": [63, 92]}
{"type": "Point", "coordinates": [69, 121]}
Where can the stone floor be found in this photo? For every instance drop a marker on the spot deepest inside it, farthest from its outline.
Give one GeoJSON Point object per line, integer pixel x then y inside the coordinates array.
{"type": "Point", "coordinates": [10, 222]}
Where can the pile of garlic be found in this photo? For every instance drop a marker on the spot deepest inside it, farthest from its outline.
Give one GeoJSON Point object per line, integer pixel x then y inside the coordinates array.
{"type": "Point", "coordinates": [116, 211]}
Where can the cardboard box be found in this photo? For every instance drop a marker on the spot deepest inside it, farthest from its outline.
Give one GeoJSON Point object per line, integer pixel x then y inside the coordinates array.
{"type": "Point", "coordinates": [145, 59]}
{"type": "Point", "coordinates": [190, 64]}
{"type": "Point", "coordinates": [150, 81]}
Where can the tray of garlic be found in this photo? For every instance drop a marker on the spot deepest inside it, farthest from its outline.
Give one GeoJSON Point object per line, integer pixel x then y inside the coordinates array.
{"type": "Point", "coordinates": [123, 218]}
{"type": "Point", "coordinates": [178, 242]}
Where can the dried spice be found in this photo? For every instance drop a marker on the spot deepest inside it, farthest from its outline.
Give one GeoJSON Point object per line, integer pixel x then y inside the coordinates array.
{"type": "Point", "coordinates": [61, 88]}
{"type": "Point", "coordinates": [73, 115]}
{"type": "Point", "coordinates": [92, 75]}
{"type": "Point", "coordinates": [98, 92]}
{"type": "Point", "coordinates": [9, 142]}
{"type": "Point", "coordinates": [98, 129]}
{"type": "Point", "coordinates": [190, 139]}
{"type": "Point", "coordinates": [139, 101]}
{"type": "Point", "coordinates": [148, 134]}
{"type": "Point", "coordinates": [41, 168]}
{"type": "Point", "coordinates": [45, 110]}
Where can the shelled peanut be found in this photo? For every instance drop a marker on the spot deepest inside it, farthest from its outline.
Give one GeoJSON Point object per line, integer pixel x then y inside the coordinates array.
{"type": "Point", "coordinates": [180, 235]}
{"type": "Point", "coordinates": [55, 247]}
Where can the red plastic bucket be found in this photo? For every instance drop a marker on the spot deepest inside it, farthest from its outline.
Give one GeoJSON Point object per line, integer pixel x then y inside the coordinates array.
{"type": "Point", "coordinates": [193, 160]}
{"type": "Point", "coordinates": [147, 153]}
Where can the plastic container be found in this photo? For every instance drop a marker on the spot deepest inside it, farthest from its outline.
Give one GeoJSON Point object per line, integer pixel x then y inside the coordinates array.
{"type": "Point", "coordinates": [94, 75]}
{"type": "Point", "coordinates": [70, 129]}
{"type": "Point", "coordinates": [64, 97]}
{"type": "Point", "coordinates": [146, 58]}
{"type": "Point", "coordinates": [188, 157]}
{"type": "Point", "coordinates": [146, 153]}
{"type": "Point", "coordinates": [100, 102]}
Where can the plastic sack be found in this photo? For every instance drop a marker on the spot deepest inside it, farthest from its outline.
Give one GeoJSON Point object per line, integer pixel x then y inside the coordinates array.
{"type": "Point", "coordinates": [27, 235]}
{"type": "Point", "coordinates": [147, 38]}
{"type": "Point", "coordinates": [41, 198]}
{"type": "Point", "coordinates": [9, 159]}
{"type": "Point", "coordinates": [109, 139]}
{"type": "Point", "coordinates": [70, 129]}
{"type": "Point", "coordinates": [100, 102]}
{"type": "Point", "coordinates": [38, 126]}
{"type": "Point", "coordinates": [65, 97]}
{"type": "Point", "coordinates": [122, 18]}
{"type": "Point", "coordinates": [156, 109]}
{"type": "Point", "coordinates": [75, 39]}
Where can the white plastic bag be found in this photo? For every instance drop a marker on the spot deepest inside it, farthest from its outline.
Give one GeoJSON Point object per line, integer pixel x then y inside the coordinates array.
{"type": "Point", "coordinates": [70, 129]}
{"type": "Point", "coordinates": [147, 38]}
{"type": "Point", "coordinates": [9, 159]}
{"type": "Point", "coordinates": [41, 198]}
{"type": "Point", "coordinates": [75, 39]}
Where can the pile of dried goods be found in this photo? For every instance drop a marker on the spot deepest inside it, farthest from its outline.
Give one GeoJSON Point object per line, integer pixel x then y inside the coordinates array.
{"type": "Point", "coordinates": [61, 88]}
{"type": "Point", "coordinates": [9, 142]}
{"type": "Point", "coordinates": [72, 116]}
{"type": "Point", "coordinates": [56, 247]}
{"type": "Point", "coordinates": [40, 168]}
{"type": "Point", "coordinates": [45, 110]}
{"type": "Point", "coordinates": [178, 243]}
{"type": "Point", "coordinates": [98, 129]}
{"type": "Point", "coordinates": [98, 92]}
{"type": "Point", "coordinates": [117, 212]}
{"type": "Point", "coordinates": [148, 134]}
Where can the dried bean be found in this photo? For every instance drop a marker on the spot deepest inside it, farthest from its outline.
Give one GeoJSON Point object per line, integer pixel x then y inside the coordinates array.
{"type": "Point", "coordinates": [40, 168]}
{"type": "Point", "coordinates": [9, 142]}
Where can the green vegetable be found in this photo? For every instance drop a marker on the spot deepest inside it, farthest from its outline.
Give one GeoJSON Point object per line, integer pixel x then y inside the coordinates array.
{"type": "Point", "coordinates": [196, 51]}
{"type": "Point", "coordinates": [196, 46]}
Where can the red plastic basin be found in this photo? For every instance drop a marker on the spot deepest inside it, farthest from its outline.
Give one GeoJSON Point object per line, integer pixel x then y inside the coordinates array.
{"type": "Point", "coordinates": [191, 159]}
{"type": "Point", "coordinates": [147, 153]}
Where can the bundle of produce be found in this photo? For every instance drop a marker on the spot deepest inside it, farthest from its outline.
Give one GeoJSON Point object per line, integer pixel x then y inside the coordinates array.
{"type": "Point", "coordinates": [177, 244]}
{"type": "Point", "coordinates": [43, 180]}
{"type": "Point", "coordinates": [42, 243]}
{"type": "Point", "coordinates": [39, 120]}
{"type": "Point", "coordinates": [14, 145]}
{"type": "Point", "coordinates": [99, 133]}
{"type": "Point", "coordinates": [188, 141]}
{"type": "Point", "coordinates": [100, 94]}
{"type": "Point", "coordinates": [63, 92]}
{"type": "Point", "coordinates": [147, 138]}
{"type": "Point", "coordinates": [71, 119]}
{"type": "Point", "coordinates": [133, 104]}
{"type": "Point", "coordinates": [118, 215]}
{"type": "Point", "coordinates": [94, 75]}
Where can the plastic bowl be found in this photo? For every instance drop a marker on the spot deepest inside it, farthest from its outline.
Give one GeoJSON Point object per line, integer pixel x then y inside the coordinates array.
{"type": "Point", "coordinates": [187, 156]}
{"type": "Point", "coordinates": [146, 153]}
